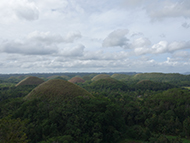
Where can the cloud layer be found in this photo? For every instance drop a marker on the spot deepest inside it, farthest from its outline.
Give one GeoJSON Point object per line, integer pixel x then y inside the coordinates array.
{"type": "Point", "coordinates": [77, 35]}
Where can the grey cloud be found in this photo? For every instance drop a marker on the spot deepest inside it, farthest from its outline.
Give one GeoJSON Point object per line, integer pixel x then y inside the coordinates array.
{"type": "Point", "coordinates": [100, 55]}
{"type": "Point", "coordinates": [133, 3]}
{"type": "Point", "coordinates": [50, 38]}
{"type": "Point", "coordinates": [72, 36]}
{"type": "Point", "coordinates": [40, 43]}
{"type": "Point", "coordinates": [169, 9]}
{"type": "Point", "coordinates": [27, 48]}
{"type": "Point", "coordinates": [185, 25]}
{"type": "Point", "coordinates": [26, 11]}
{"type": "Point", "coordinates": [181, 56]}
{"type": "Point", "coordinates": [45, 37]}
{"type": "Point", "coordinates": [116, 38]}
{"type": "Point", "coordinates": [137, 34]}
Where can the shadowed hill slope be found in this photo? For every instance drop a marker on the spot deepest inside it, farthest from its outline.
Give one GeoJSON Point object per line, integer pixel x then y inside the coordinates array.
{"type": "Point", "coordinates": [151, 85]}
{"type": "Point", "coordinates": [57, 90]}
{"type": "Point", "coordinates": [76, 80]}
{"type": "Point", "coordinates": [32, 80]}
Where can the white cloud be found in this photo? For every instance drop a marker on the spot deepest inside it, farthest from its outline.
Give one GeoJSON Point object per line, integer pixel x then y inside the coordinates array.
{"type": "Point", "coordinates": [160, 47]}
{"type": "Point", "coordinates": [143, 46]}
{"type": "Point", "coordinates": [116, 38]}
{"type": "Point", "coordinates": [76, 51]}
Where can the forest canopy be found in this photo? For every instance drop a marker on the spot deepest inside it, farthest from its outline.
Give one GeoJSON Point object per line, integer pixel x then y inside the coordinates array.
{"type": "Point", "coordinates": [148, 107]}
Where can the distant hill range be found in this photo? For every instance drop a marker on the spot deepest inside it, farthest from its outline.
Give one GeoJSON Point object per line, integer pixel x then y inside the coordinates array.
{"type": "Point", "coordinates": [186, 73]}
{"type": "Point", "coordinates": [63, 74]}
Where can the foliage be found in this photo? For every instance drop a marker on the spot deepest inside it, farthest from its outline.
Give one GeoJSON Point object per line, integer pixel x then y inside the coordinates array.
{"type": "Point", "coordinates": [139, 108]}
{"type": "Point", "coordinates": [85, 120]}
{"type": "Point", "coordinates": [12, 130]}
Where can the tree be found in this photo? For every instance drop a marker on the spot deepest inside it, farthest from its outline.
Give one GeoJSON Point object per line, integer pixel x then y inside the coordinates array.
{"type": "Point", "coordinates": [12, 130]}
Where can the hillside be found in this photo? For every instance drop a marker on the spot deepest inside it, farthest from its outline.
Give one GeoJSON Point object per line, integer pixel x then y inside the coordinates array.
{"type": "Point", "coordinates": [32, 80]}
{"type": "Point", "coordinates": [121, 76]}
{"type": "Point", "coordinates": [57, 89]}
{"type": "Point", "coordinates": [151, 85]}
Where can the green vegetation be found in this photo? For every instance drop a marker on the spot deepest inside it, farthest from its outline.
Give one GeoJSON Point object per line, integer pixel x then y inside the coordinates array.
{"type": "Point", "coordinates": [142, 108]}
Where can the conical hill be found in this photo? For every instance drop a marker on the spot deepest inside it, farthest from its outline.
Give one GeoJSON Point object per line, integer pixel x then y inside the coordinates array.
{"type": "Point", "coordinates": [76, 80]}
{"type": "Point", "coordinates": [100, 76]}
{"type": "Point", "coordinates": [57, 90]}
{"type": "Point", "coordinates": [32, 80]}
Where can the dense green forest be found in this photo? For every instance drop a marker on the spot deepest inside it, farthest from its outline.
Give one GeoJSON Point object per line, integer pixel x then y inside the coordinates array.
{"type": "Point", "coordinates": [103, 108]}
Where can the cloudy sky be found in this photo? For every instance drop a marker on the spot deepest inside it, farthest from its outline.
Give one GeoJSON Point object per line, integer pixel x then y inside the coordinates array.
{"type": "Point", "coordinates": [94, 36]}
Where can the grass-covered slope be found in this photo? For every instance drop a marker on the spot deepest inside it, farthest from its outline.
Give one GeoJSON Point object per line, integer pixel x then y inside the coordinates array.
{"type": "Point", "coordinates": [100, 76]}
{"type": "Point", "coordinates": [76, 80]}
{"type": "Point", "coordinates": [64, 77]}
{"type": "Point", "coordinates": [170, 77]}
{"type": "Point", "coordinates": [32, 80]}
{"type": "Point", "coordinates": [121, 76]}
{"type": "Point", "coordinates": [57, 89]}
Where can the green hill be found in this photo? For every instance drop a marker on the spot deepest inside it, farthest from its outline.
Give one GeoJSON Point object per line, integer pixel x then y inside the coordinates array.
{"type": "Point", "coordinates": [100, 76]}
{"type": "Point", "coordinates": [32, 80]}
{"type": "Point", "coordinates": [109, 83]}
{"type": "Point", "coordinates": [57, 89]}
{"type": "Point", "coordinates": [121, 76]}
{"type": "Point", "coordinates": [174, 78]}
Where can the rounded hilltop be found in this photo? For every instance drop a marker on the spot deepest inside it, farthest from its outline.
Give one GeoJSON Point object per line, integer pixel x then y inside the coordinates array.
{"type": "Point", "coordinates": [120, 76]}
{"type": "Point", "coordinates": [76, 80]}
{"type": "Point", "coordinates": [31, 80]}
{"type": "Point", "coordinates": [64, 77]}
{"type": "Point", "coordinates": [100, 76]}
{"type": "Point", "coordinates": [57, 89]}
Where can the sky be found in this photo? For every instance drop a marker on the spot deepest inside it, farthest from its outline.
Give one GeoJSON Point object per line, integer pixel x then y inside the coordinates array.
{"type": "Point", "coordinates": [44, 36]}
